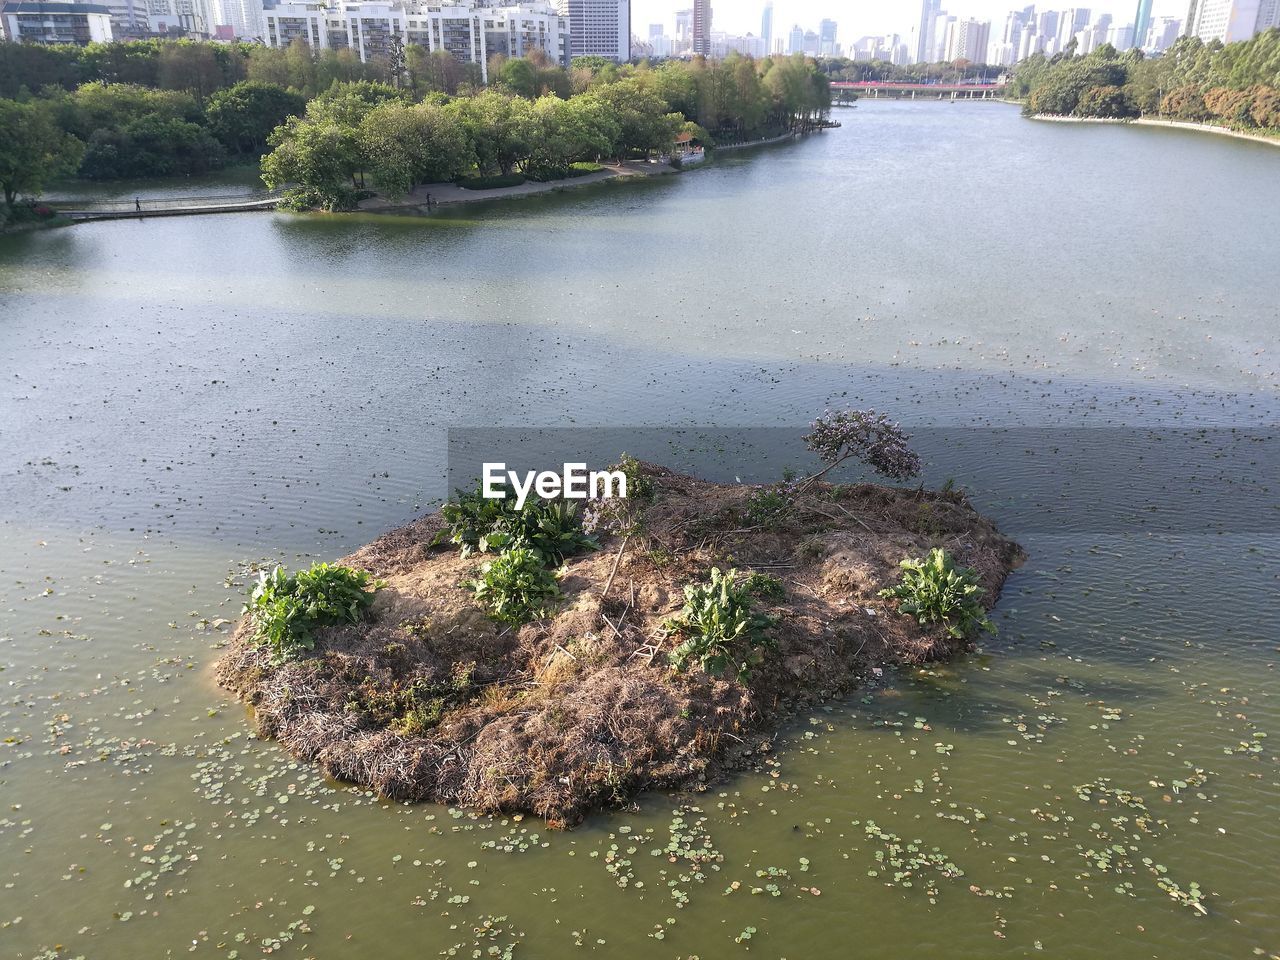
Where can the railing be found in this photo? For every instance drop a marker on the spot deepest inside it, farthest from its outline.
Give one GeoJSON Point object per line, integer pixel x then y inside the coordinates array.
{"type": "Point", "coordinates": [157, 204]}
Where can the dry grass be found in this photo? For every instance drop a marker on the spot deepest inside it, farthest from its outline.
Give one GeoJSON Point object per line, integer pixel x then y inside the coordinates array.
{"type": "Point", "coordinates": [431, 700]}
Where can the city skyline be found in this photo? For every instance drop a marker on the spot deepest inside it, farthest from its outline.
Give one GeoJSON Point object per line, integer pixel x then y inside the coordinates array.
{"type": "Point", "coordinates": [867, 19]}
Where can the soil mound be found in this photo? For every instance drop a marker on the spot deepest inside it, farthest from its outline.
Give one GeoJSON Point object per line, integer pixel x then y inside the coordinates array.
{"type": "Point", "coordinates": [429, 699]}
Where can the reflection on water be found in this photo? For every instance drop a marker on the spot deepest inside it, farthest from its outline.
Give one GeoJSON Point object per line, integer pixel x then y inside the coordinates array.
{"type": "Point", "coordinates": [183, 398]}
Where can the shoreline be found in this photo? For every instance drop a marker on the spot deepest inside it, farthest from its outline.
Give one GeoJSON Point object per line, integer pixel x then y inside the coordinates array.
{"type": "Point", "coordinates": [450, 194]}
{"type": "Point", "coordinates": [1175, 124]}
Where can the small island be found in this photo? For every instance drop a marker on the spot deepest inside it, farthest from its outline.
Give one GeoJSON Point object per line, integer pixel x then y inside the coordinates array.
{"type": "Point", "coordinates": [542, 661]}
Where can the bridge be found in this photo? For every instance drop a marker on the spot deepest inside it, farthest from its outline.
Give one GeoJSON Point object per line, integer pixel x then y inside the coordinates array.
{"type": "Point", "coordinates": [875, 89]}
{"type": "Point", "coordinates": [138, 207]}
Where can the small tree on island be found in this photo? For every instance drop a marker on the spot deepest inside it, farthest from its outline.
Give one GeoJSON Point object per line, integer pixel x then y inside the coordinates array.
{"type": "Point", "coordinates": [860, 435]}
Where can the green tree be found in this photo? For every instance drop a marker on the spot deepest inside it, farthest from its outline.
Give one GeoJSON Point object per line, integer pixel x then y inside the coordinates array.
{"type": "Point", "coordinates": [499, 128]}
{"type": "Point", "coordinates": [317, 161]}
{"type": "Point", "coordinates": [407, 145]}
{"type": "Point", "coordinates": [1110, 102]}
{"type": "Point", "coordinates": [33, 149]}
{"type": "Point", "coordinates": [243, 116]}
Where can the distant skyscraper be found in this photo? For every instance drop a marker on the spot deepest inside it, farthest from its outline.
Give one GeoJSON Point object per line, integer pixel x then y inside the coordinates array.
{"type": "Point", "coordinates": [827, 38]}
{"type": "Point", "coordinates": [684, 26]}
{"type": "Point", "coordinates": [598, 28]}
{"type": "Point", "coordinates": [925, 42]}
{"type": "Point", "coordinates": [1141, 22]}
{"type": "Point", "coordinates": [1230, 20]}
{"type": "Point", "coordinates": [702, 27]}
{"type": "Point", "coordinates": [766, 26]}
{"type": "Point", "coordinates": [795, 42]}
{"type": "Point", "coordinates": [967, 40]}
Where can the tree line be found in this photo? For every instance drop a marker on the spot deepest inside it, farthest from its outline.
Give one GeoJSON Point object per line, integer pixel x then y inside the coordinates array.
{"type": "Point", "coordinates": [333, 126]}
{"type": "Point", "coordinates": [356, 137]}
{"type": "Point", "coordinates": [1237, 84]}
{"type": "Point", "coordinates": [881, 71]}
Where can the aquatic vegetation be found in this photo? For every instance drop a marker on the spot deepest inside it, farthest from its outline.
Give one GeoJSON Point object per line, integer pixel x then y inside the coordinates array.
{"type": "Point", "coordinates": [936, 590]}
{"type": "Point", "coordinates": [720, 630]}
{"type": "Point", "coordinates": [516, 587]}
{"type": "Point", "coordinates": [1114, 856]}
{"type": "Point", "coordinates": [908, 862]}
{"type": "Point", "coordinates": [551, 529]}
{"type": "Point", "coordinates": [286, 609]}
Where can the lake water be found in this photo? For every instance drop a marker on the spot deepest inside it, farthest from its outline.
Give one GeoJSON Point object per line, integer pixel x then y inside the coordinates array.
{"type": "Point", "coordinates": [1049, 305]}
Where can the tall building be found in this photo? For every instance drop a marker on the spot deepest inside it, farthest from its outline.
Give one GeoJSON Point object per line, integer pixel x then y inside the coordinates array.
{"type": "Point", "coordinates": [930, 10]}
{"type": "Point", "coordinates": [1122, 38]}
{"type": "Point", "coordinates": [766, 26]}
{"type": "Point", "coordinates": [55, 23]}
{"type": "Point", "coordinates": [967, 40]}
{"type": "Point", "coordinates": [469, 34]}
{"type": "Point", "coordinates": [1231, 20]}
{"type": "Point", "coordinates": [795, 40]}
{"type": "Point", "coordinates": [1070, 23]}
{"type": "Point", "coordinates": [598, 28]}
{"type": "Point", "coordinates": [1141, 23]}
{"type": "Point", "coordinates": [684, 27]}
{"type": "Point", "coordinates": [827, 38]}
{"type": "Point", "coordinates": [244, 17]}
{"type": "Point", "coordinates": [702, 27]}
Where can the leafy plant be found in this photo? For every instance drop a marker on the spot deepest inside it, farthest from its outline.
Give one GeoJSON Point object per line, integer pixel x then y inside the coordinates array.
{"type": "Point", "coordinates": [550, 528]}
{"type": "Point", "coordinates": [768, 506]}
{"type": "Point", "coordinates": [764, 587]}
{"type": "Point", "coordinates": [935, 589]}
{"type": "Point", "coordinates": [516, 586]}
{"type": "Point", "coordinates": [286, 609]}
{"type": "Point", "coordinates": [719, 628]}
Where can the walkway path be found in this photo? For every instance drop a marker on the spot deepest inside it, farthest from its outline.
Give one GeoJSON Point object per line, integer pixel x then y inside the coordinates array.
{"type": "Point", "coordinates": [165, 206]}
{"type": "Point", "coordinates": [449, 193]}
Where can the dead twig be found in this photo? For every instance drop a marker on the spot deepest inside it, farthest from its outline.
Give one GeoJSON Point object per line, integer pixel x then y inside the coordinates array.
{"type": "Point", "coordinates": [616, 560]}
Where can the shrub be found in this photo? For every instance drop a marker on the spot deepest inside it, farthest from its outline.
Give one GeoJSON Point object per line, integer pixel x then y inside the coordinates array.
{"type": "Point", "coordinates": [719, 629]}
{"type": "Point", "coordinates": [621, 515]}
{"type": "Point", "coordinates": [551, 528]}
{"type": "Point", "coordinates": [286, 609]}
{"type": "Point", "coordinates": [863, 435]}
{"type": "Point", "coordinates": [935, 589]}
{"type": "Point", "coordinates": [768, 506]}
{"type": "Point", "coordinates": [490, 183]}
{"type": "Point", "coordinates": [764, 587]}
{"type": "Point", "coordinates": [516, 587]}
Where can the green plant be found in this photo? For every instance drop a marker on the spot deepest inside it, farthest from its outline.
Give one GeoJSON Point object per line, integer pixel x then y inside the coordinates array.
{"type": "Point", "coordinates": [719, 628]}
{"type": "Point", "coordinates": [516, 587]}
{"type": "Point", "coordinates": [640, 486]}
{"type": "Point", "coordinates": [935, 589]}
{"type": "Point", "coordinates": [551, 528]}
{"type": "Point", "coordinates": [286, 609]}
{"type": "Point", "coordinates": [768, 506]}
{"type": "Point", "coordinates": [764, 587]}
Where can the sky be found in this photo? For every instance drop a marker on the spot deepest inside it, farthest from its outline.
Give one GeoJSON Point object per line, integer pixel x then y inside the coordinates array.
{"type": "Point", "coordinates": [857, 19]}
